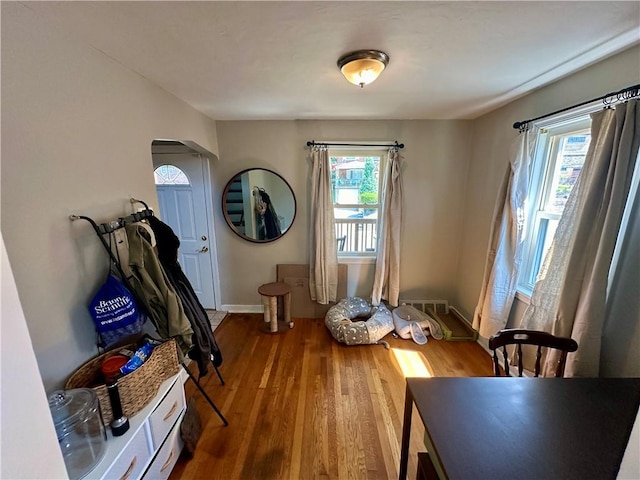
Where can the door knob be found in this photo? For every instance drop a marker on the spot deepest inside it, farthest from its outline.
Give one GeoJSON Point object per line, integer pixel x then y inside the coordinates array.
{"type": "Point", "coordinates": [204, 238]}
{"type": "Point", "coordinates": [204, 249]}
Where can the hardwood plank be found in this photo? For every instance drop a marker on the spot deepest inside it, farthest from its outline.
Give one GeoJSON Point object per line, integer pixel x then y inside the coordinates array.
{"type": "Point", "coordinates": [300, 417]}
{"type": "Point", "coordinates": [302, 406]}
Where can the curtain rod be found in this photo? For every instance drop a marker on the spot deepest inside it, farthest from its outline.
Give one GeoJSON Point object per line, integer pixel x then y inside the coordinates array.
{"type": "Point", "coordinates": [313, 143]}
{"type": "Point", "coordinates": [624, 94]}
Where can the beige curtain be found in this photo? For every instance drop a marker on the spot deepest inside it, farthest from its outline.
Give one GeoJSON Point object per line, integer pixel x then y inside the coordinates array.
{"type": "Point", "coordinates": [569, 297]}
{"type": "Point", "coordinates": [386, 282]}
{"type": "Point", "coordinates": [323, 261]}
{"type": "Point", "coordinates": [506, 240]}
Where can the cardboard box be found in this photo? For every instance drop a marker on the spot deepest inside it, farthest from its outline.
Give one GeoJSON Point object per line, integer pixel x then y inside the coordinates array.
{"type": "Point", "coordinates": [297, 277]}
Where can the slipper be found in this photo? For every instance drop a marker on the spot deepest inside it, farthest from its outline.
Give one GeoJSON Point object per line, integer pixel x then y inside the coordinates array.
{"type": "Point", "coordinates": [417, 334]}
{"type": "Point", "coordinates": [401, 325]}
{"type": "Point", "coordinates": [408, 327]}
{"type": "Point", "coordinates": [412, 314]}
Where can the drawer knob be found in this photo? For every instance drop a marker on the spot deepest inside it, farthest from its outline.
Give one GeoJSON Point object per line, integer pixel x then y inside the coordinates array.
{"type": "Point", "coordinates": [170, 412]}
{"type": "Point", "coordinates": [130, 469]}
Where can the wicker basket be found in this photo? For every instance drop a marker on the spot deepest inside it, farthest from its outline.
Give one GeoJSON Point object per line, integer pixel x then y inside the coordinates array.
{"type": "Point", "coordinates": [137, 388]}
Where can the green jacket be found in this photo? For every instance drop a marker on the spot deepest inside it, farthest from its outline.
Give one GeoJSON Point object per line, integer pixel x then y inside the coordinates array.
{"type": "Point", "coordinates": [153, 288]}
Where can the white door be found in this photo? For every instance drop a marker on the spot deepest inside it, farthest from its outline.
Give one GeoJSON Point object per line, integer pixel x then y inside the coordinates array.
{"type": "Point", "coordinates": [182, 185]}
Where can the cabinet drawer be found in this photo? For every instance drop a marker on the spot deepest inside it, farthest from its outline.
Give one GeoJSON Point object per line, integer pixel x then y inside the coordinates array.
{"type": "Point", "coordinates": [131, 463]}
{"type": "Point", "coordinates": [167, 456]}
{"type": "Point", "coordinates": [166, 414]}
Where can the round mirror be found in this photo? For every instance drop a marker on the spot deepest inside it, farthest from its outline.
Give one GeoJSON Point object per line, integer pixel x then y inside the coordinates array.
{"type": "Point", "coordinates": [258, 205]}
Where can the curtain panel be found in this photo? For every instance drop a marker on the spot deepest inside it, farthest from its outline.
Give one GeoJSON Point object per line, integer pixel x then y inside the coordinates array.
{"type": "Point", "coordinates": [386, 282]}
{"type": "Point", "coordinates": [569, 297]}
{"type": "Point", "coordinates": [505, 240]}
{"type": "Point", "coordinates": [323, 261]}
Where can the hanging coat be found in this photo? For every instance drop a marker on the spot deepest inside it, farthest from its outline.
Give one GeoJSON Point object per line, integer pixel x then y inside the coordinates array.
{"type": "Point", "coordinates": [270, 226]}
{"type": "Point", "coordinates": [153, 288]}
{"type": "Point", "coordinates": [205, 349]}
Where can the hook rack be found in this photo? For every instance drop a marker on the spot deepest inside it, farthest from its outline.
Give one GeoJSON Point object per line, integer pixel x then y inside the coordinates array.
{"type": "Point", "coordinates": [107, 228]}
{"type": "Point", "coordinates": [114, 225]}
{"type": "Point", "coordinates": [135, 200]}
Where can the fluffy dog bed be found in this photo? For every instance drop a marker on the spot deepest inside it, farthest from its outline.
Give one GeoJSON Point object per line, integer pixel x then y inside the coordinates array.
{"type": "Point", "coordinates": [340, 321]}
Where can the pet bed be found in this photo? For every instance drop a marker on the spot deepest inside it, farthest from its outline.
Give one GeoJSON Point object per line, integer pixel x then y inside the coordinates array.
{"type": "Point", "coordinates": [341, 321]}
{"type": "Point", "coordinates": [411, 323]}
{"type": "Point", "coordinates": [452, 323]}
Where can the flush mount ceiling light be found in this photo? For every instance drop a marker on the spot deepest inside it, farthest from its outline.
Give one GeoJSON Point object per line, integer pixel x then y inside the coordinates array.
{"type": "Point", "coordinates": [363, 66]}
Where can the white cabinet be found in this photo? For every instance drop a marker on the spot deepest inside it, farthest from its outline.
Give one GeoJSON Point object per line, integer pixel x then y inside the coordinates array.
{"type": "Point", "coordinates": [165, 415]}
{"type": "Point", "coordinates": [167, 456]}
{"type": "Point", "coordinates": [132, 460]}
{"type": "Point", "coordinates": [152, 445]}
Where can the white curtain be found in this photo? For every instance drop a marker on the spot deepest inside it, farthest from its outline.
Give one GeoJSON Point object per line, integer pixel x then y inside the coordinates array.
{"type": "Point", "coordinates": [569, 296]}
{"type": "Point", "coordinates": [506, 241]}
{"type": "Point", "coordinates": [323, 262]}
{"type": "Point", "coordinates": [386, 282]}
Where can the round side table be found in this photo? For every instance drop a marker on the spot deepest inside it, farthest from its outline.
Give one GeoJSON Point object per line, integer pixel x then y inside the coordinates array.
{"type": "Point", "coordinates": [270, 293]}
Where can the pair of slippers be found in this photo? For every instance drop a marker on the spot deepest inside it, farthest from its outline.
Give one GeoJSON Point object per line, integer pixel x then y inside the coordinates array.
{"type": "Point", "coordinates": [410, 323]}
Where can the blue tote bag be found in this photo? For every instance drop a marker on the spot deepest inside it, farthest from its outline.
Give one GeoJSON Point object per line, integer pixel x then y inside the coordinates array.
{"type": "Point", "coordinates": [114, 312]}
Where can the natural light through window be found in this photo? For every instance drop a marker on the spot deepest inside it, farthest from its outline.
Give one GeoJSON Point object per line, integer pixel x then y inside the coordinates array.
{"type": "Point", "coordinates": [355, 182]}
{"type": "Point", "coordinates": [412, 363]}
{"type": "Point", "coordinates": [558, 161]}
{"type": "Point", "coordinates": [170, 175]}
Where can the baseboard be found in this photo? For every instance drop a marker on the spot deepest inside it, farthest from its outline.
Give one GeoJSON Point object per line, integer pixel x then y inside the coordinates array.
{"type": "Point", "coordinates": [243, 308]}
{"type": "Point", "coordinates": [484, 343]}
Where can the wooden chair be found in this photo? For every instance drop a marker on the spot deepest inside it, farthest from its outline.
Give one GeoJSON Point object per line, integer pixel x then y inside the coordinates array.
{"type": "Point", "coordinates": [521, 337]}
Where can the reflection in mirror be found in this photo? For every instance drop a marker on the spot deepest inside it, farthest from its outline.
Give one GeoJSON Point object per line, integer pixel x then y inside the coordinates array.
{"type": "Point", "coordinates": [258, 205]}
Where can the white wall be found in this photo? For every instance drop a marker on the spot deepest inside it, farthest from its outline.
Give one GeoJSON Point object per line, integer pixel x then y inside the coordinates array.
{"type": "Point", "coordinates": [492, 137]}
{"type": "Point", "coordinates": [28, 438]}
{"type": "Point", "coordinates": [435, 156]}
{"type": "Point", "coordinates": [76, 138]}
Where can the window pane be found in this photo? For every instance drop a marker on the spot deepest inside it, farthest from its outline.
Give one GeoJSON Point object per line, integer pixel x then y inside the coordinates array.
{"type": "Point", "coordinates": [559, 157]}
{"type": "Point", "coordinates": [572, 150]}
{"type": "Point", "coordinates": [355, 179]}
{"type": "Point", "coordinates": [356, 235]}
{"type": "Point", "coordinates": [546, 231]}
{"type": "Point", "coordinates": [170, 175]}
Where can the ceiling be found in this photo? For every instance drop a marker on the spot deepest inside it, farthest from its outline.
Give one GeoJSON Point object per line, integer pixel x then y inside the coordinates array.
{"type": "Point", "coordinates": [237, 60]}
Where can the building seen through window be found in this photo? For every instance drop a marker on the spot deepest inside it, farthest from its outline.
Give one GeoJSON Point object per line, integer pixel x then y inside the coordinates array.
{"type": "Point", "coordinates": [558, 160]}
{"type": "Point", "coordinates": [355, 182]}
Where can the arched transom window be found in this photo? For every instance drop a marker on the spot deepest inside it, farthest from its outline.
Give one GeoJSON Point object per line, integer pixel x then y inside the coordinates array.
{"type": "Point", "coordinates": [170, 175]}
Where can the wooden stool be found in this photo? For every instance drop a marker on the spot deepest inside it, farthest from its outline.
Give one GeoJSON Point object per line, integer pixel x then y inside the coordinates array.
{"type": "Point", "coordinates": [270, 293]}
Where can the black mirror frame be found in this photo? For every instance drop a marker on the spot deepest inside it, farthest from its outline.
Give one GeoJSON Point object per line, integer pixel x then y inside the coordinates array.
{"type": "Point", "coordinates": [225, 213]}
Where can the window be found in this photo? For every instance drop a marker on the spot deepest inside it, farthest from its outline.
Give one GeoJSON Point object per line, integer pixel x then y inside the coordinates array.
{"type": "Point", "coordinates": [558, 159]}
{"type": "Point", "coordinates": [355, 181]}
{"type": "Point", "coordinates": [170, 175]}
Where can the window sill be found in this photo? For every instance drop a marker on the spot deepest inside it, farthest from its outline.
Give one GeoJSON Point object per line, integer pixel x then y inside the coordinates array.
{"type": "Point", "coordinates": [356, 260]}
{"type": "Point", "coordinates": [523, 296]}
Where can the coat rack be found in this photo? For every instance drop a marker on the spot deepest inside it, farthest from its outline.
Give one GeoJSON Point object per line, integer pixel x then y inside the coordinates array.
{"type": "Point", "coordinates": [107, 228]}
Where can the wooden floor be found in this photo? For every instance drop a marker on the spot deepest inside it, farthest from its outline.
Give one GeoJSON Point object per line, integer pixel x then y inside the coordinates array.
{"type": "Point", "coordinates": [301, 405]}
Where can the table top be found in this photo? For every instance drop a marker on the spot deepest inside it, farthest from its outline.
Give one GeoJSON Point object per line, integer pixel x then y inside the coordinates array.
{"type": "Point", "coordinates": [274, 289]}
{"type": "Point", "coordinates": [526, 428]}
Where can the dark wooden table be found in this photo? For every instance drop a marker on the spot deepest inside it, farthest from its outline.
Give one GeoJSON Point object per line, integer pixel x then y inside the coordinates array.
{"type": "Point", "coordinates": [522, 428]}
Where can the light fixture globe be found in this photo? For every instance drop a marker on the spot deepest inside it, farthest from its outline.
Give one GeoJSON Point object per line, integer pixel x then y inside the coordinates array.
{"type": "Point", "coordinates": [363, 66]}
